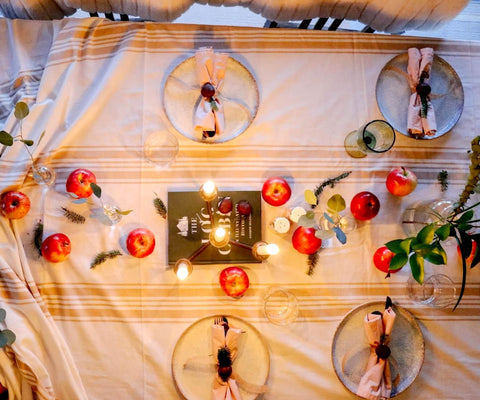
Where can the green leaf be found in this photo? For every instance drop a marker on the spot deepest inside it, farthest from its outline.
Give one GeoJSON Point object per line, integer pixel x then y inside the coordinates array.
{"type": "Point", "coordinates": [443, 232]}
{"type": "Point", "coordinates": [464, 227]}
{"type": "Point", "coordinates": [3, 314]}
{"type": "Point", "coordinates": [406, 244]}
{"type": "Point", "coordinates": [324, 235]}
{"type": "Point", "coordinates": [3, 339]}
{"type": "Point", "coordinates": [336, 203]}
{"type": "Point", "coordinates": [126, 212]}
{"type": "Point", "coordinates": [40, 138]}
{"type": "Point", "coordinates": [434, 258]}
{"type": "Point", "coordinates": [396, 246]}
{"type": "Point", "coordinates": [5, 138]}
{"type": "Point", "coordinates": [398, 261]}
{"type": "Point", "coordinates": [426, 234]}
{"type": "Point", "coordinates": [306, 222]}
{"type": "Point", "coordinates": [310, 197]}
{"type": "Point", "coordinates": [465, 217]}
{"type": "Point", "coordinates": [416, 265]}
{"type": "Point", "coordinates": [97, 190]}
{"type": "Point", "coordinates": [21, 110]}
{"type": "Point", "coordinates": [27, 142]}
{"type": "Point", "coordinates": [342, 238]}
{"type": "Point", "coordinates": [310, 214]}
{"type": "Point", "coordinates": [440, 251]}
{"type": "Point", "coordinates": [9, 335]}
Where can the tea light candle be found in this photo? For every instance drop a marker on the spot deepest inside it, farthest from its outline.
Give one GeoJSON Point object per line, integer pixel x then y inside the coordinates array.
{"type": "Point", "coordinates": [281, 225]}
{"type": "Point", "coordinates": [267, 249]}
{"type": "Point", "coordinates": [219, 234]}
{"type": "Point", "coordinates": [296, 213]}
{"type": "Point", "coordinates": [183, 268]}
{"type": "Point", "coordinates": [208, 191]}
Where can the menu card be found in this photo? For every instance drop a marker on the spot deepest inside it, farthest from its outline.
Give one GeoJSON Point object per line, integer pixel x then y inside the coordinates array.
{"type": "Point", "coordinates": [189, 227]}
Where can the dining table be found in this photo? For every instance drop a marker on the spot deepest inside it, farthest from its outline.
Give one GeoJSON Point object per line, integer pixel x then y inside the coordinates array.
{"type": "Point", "coordinates": [95, 90]}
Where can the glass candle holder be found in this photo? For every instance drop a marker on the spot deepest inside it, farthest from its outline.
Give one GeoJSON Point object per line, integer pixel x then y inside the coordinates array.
{"type": "Point", "coordinates": [377, 136]}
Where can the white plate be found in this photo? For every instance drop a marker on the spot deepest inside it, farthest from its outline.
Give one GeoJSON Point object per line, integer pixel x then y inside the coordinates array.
{"type": "Point", "coordinates": [252, 362]}
{"type": "Point", "coordinates": [239, 94]}
{"type": "Point", "coordinates": [393, 94]}
{"type": "Point", "coordinates": [350, 349]}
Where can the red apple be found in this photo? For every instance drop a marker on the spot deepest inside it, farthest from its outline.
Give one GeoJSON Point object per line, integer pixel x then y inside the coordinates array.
{"type": "Point", "coordinates": [364, 206]}
{"type": "Point", "coordinates": [401, 181]}
{"type": "Point", "coordinates": [79, 181]}
{"type": "Point", "coordinates": [14, 205]}
{"type": "Point", "coordinates": [140, 242]}
{"type": "Point", "coordinates": [276, 191]}
{"type": "Point", "coordinates": [382, 258]}
{"type": "Point", "coordinates": [234, 281]}
{"type": "Point", "coordinates": [305, 241]}
{"type": "Point", "coordinates": [56, 247]}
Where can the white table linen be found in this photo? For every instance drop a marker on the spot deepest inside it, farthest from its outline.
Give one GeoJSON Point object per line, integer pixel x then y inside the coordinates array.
{"type": "Point", "coordinates": [95, 87]}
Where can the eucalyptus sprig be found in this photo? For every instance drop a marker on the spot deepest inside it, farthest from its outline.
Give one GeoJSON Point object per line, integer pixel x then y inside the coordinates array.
{"type": "Point", "coordinates": [7, 337]}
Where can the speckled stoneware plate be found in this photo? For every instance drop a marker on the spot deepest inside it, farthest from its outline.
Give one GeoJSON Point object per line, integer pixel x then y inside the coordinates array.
{"type": "Point", "coordinates": [239, 94]}
{"type": "Point", "coordinates": [350, 349]}
{"type": "Point", "coordinates": [393, 94]}
{"type": "Point", "coordinates": [194, 379]}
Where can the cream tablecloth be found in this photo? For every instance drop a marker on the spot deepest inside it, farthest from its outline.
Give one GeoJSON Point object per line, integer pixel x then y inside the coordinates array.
{"type": "Point", "coordinates": [95, 87]}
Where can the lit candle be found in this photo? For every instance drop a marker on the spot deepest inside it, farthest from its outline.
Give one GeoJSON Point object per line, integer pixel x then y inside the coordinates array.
{"type": "Point", "coordinates": [267, 249]}
{"type": "Point", "coordinates": [219, 234]}
{"type": "Point", "coordinates": [208, 187]}
{"type": "Point", "coordinates": [208, 191]}
{"type": "Point", "coordinates": [182, 271]}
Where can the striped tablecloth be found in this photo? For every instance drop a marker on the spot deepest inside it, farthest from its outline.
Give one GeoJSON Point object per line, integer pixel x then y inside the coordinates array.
{"type": "Point", "coordinates": [95, 88]}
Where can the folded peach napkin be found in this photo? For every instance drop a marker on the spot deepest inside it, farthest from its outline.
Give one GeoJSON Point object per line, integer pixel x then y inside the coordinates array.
{"type": "Point", "coordinates": [421, 117]}
{"type": "Point", "coordinates": [376, 383]}
{"type": "Point", "coordinates": [225, 390]}
{"type": "Point", "coordinates": [210, 68]}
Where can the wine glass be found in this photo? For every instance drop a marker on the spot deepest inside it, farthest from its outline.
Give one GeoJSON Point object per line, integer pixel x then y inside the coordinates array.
{"type": "Point", "coordinates": [377, 136]}
{"type": "Point", "coordinates": [437, 291]}
{"type": "Point", "coordinates": [160, 148]}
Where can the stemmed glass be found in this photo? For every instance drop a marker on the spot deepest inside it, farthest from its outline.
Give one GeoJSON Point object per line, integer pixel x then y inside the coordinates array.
{"type": "Point", "coordinates": [377, 136]}
{"type": "Point", "coordinates": [160, 148]}
{"type": "Point", "coordinates": [42, 174]}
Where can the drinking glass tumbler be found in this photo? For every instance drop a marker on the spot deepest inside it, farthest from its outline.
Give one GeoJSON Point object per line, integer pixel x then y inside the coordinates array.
{"type": "Point", "coordinates": [377, 136]}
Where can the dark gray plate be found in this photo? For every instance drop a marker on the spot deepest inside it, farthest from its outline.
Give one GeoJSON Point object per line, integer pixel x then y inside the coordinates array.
{"type": "Point", "coordinates": [393, 93]}
{"type": "Point", "coordinates": [350, 349]}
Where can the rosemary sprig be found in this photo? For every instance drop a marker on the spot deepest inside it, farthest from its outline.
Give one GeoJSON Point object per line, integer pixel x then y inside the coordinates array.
{"type": "Point", "coordinates": [37, 237]}
{"type": "Point", "coordinates": [312, 262]}
{"type": "Point", "coordinates": [100, 258]}
{"type": "Point", "coordinates": [72, 216]}
{"type": "Point", "coordinates": [160, 206]}
{"type": "Point", "coordinates": [424, 108]}
{"type": "Point", "coordinates": [329, 182]}
{"type": "Point", "coordinates": [442, 178]}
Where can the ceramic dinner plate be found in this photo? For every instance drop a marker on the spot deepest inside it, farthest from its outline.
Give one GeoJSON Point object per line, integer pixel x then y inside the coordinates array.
{"type": "Point", "coordinates": [393, 93]}
{"type": "Point", "coordinates": [239, 94]}
{"type": "Point", "coordinates": [193, 367]}
{"type": "Point", "coordinates": [350, 349]}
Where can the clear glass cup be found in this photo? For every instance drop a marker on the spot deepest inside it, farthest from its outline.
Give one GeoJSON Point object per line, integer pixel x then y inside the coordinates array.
{"type": "Point", "coordinates": [437, 291]}
{"type": "Point", "coordinates": [160, 148]}
{"type": "Point", "coordinates": [377, 136]}
{"type": "Point", "coordinates": [280, 306]}
{"type": "Point", "coordinates": [417, 216]}
{"type": "Point", "coordinates": [43, 175]}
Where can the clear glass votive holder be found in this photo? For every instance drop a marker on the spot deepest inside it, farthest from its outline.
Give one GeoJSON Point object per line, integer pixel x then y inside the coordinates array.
{"type": "Point", "coordinates": [437, 291]}
{"type": "Point", "coordinates": [280, 306]}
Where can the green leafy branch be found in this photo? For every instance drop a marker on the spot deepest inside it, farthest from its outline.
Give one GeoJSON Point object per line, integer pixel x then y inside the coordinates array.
{"type": "Point", "coordinates": [313, 196]}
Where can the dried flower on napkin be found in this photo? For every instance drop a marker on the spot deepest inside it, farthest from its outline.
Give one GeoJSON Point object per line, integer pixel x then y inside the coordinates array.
{"type": "Point", "coordinates": [421, 115]}
{"type": "Point", "coordinates": [376, 383]}
{"type": "Point", "coordinates": [210, 69]}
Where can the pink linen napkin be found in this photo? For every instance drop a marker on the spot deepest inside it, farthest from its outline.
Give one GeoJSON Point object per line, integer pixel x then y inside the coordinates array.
{"type": "Point", "coordinates": [418, 69]}
{"type": "Point", "coordinates": [210, 67]}
{"type": "Point", "coordinates": [376, 383]}
{"type": "Point", "coordinates": [225, 390]}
